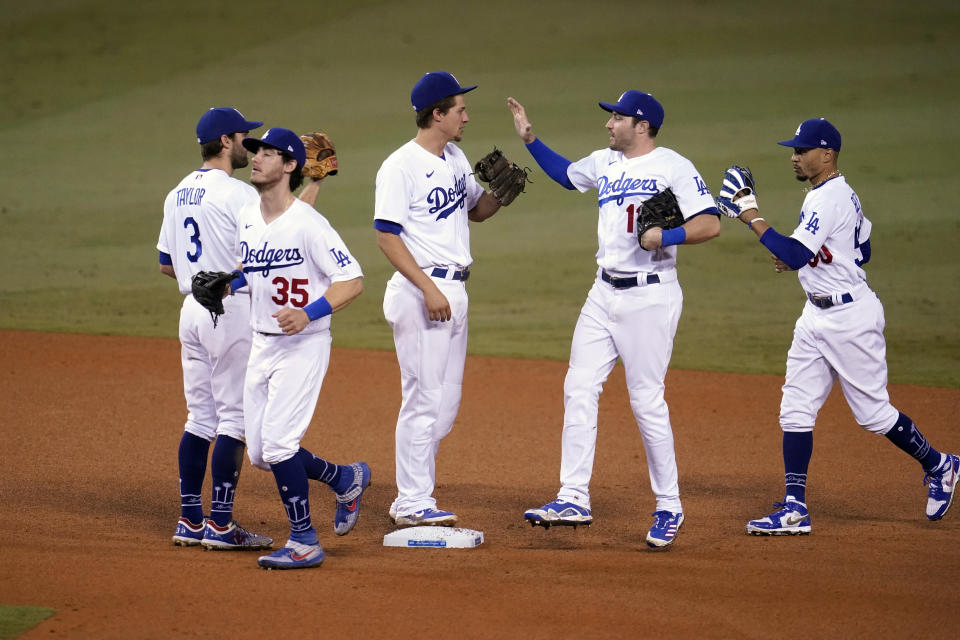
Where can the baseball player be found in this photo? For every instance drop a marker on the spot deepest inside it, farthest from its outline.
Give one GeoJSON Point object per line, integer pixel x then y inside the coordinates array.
{"type": "Point", "coordinates": [298, 272]}
{"type": "Point", "coordinates": [633, 308]}
{"type": "Point", "coordinates": [425, 195]}
{"type": "Point", "coordinates": [839, 334]}
{"type": "Point", "coordinates": [199, 232]}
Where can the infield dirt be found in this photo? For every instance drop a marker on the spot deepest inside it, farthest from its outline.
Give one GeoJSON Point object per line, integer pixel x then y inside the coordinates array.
{"type": "Point", "coordinates": [90, 430]}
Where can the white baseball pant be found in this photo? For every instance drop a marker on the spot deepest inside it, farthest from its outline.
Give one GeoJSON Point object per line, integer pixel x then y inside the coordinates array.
{"type": "Point", "coordinates": [214, 362]}
{"type": "Point", "coordinates": [282, 385]}
{"type": "Point", "coordinates": [843, 342]}
{"type": "Point", "coordinates": [431, 356]}
{"type": "Point", "coordinates": [637, 325]}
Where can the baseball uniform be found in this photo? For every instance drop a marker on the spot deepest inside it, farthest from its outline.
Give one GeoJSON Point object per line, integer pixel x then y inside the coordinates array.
{"type": "Point", "coordinates": [839, 334]}
{"type": "Point", "coordinates": [845, 340]}
{"type": "Point", "coordinates": [289, 263]}
{"type": "Point", "coordinates": [634, 323]}
{"type": "Point", "coordinates": [425, 199]}
{"type": "Point", "coordinates": [199, 233]}
{"type": "Point", "coordinates": [298, 270]}
{"type": "Point", "coordinates": [632, 310]}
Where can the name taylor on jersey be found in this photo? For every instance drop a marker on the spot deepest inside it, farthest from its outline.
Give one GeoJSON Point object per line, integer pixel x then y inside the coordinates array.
{"type": "Point", "coordinates": [190, 196]}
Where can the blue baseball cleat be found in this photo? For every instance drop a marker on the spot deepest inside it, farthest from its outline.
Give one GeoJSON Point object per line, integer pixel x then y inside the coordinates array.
{"type": "Point", "coordinates": [233, 537]}
{"type": "Point", "coordinates": [558, 512]}
{"type": "Point", "coordinates": [188, 534]}
{"type": "Point", "coordinates": [665, 527]}
{"type": "Point", "coordinates": [427, 517]}
{"type": "Point", "coordinates": [293, 555]}
{"type": "Point", "coordinates": [348, 502]}
{"type": "Point", "coordinates": [943, 485]}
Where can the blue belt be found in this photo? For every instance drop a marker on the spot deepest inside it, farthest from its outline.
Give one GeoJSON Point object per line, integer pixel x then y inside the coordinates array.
{"type": "Point", "coordinates": [825, 302]}
{"type": "Point", "coordinates": [626, 283]}
{"type": "Point", "coordinates": [461, 275]}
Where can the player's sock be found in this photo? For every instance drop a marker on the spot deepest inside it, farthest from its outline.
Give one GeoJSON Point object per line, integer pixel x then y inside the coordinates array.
{"type": "Point", "coordinates": [225, 472]}
{"type": "Point", "coordinates": [797, 449]}
{"type": "Point", "coordinates": [192, 457]}
{"type": "Point", "coordinates": [337, 476]}
{"type": "Point", "coordinates": [294, 490]}
{"type": "Point", "coordinates": [906, 436]}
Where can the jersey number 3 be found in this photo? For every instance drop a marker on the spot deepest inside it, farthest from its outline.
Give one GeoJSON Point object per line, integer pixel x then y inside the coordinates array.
{"type": "Point", "coordinates": [292, 291]}
{"type": "Point", "coordinates": [191, 224]}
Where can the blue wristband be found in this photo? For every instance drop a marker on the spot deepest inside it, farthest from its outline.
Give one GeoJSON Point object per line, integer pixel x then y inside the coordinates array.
{"type": "Point", "coordinates": [674, 236]}
{"type": "Point", "coordinates": [239, 280]}
{"type": "Point", "coordinates": [318, 308]}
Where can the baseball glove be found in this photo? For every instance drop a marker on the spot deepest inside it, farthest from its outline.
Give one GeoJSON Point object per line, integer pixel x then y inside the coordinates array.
{"type": "Point", "coordinates": [506, 179]}
{"type": "Point", "coordinates": [661, 211]}
{"type": "Point", "coordinates": [209, 287]}
{"type": "Point", "coordinates": [739, 192]}
{"type": "Point", "coordinates": [321, 156]}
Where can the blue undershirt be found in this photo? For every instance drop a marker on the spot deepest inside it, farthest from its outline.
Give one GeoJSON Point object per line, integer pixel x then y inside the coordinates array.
{"type": "Point", "coordinates": [790, 250]}
{"type": "Point", "coordinates": [552, 163]}
{"type": "Point", "coordinates": [795, 253]}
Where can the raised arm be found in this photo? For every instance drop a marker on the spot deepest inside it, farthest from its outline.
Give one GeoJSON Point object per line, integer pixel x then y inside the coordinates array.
{"type": "Point", "coordinates": [552, 163]}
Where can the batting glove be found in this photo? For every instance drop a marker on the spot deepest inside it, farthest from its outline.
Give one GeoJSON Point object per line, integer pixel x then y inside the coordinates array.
{"type": "Point", "coordinates": [738, 193]}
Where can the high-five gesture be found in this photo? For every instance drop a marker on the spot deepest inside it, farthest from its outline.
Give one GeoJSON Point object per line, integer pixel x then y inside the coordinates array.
{"type": "Point", "coordinates": [520, 121]}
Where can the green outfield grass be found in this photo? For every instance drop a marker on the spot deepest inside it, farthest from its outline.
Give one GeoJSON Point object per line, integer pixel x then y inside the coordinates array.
{"type": "Point", "coordinates": [99, 102]}
{"type": "Point", "coordinates": [15, 621]}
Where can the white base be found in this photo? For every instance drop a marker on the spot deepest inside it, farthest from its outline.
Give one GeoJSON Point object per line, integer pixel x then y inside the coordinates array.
{"type": "Point", "coordinates": [434, 538]}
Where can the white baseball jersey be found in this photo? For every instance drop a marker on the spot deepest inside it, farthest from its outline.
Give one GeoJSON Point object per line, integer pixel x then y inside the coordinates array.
{"type": "Point", "coordinates": [429, 197]}
{"type": "Point", "coordinates": [290, 262]}
{"type": "Point", "coordinates": [607, 327]}
{"type": "Point", "coordinates": [199, 229]}
{"type": "Point", "coordinates": [199, 233]}
{"type": "Point", "coordinates": [622, 185]}
{"type": "Point", "coordinates": [844, 342]}
{"type": "Point", "coordinates": [831, 211]}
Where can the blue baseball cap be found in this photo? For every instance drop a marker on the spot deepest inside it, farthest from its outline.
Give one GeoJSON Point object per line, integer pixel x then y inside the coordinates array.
{"type": "Point", "coordinates": [281, 139]}
{"type": "Point", "coordinates": [222, 120]}
{"type": "Point", "coordinates": [435, 86]}
{"type": "Point", "coordinates": [639, 105]}
{"type": "Point", "coordinates": [815, 133]}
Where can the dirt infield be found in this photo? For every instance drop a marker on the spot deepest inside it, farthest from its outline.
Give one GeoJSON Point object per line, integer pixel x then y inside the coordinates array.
{"type": "Point", "coordinates": [88, 502]}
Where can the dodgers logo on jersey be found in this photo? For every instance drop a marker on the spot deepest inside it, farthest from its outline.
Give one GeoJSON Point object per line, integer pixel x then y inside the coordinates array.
{"type": "Point", "coordinates": [341, 258]}
{"type": "Point", "coordinates": [446, 201]}
{"type": "Point", "coordinates": [813, 224]}
{"type": "Point", "coordinates": [702, 187]}
{"type": "Point", "coordinates": [266, 258]}
{"type": "Point", "coordinates": [624, 187]}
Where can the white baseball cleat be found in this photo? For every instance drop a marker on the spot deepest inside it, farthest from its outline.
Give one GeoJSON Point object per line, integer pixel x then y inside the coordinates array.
{"type": "Point", "coordinates": [790, 519]}
{"type": "Point", "coordinates": [943, 485]}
